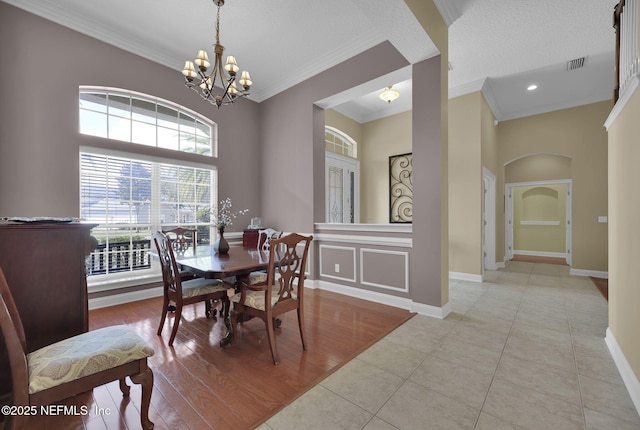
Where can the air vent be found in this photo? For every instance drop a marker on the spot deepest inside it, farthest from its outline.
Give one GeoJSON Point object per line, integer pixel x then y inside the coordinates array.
{"type": "Point", "coordinates": [578, 63]}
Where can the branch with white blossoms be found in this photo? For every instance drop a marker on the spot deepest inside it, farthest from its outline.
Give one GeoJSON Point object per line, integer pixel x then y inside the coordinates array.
{"type": "Point", "coordinates": [223, 216]}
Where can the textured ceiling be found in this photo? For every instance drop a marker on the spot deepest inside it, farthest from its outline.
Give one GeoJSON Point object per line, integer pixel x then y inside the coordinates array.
{"type": "Point", "coordinates": [498, 46]}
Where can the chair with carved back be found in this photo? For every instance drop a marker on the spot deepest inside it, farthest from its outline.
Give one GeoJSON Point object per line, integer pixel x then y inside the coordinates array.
{"type": "Point", "coordinates": [264, 245]}
{"type": "Point", "coordinates": [265, 236]}
{"type": "Point", "coordinates": [282, 292]}
{"type": "Point", "coordinates": [73, 365]}
{"type": "Point", "coordinates": [182, 239]}
{"type": "Point", "coordinates": [185, 292]}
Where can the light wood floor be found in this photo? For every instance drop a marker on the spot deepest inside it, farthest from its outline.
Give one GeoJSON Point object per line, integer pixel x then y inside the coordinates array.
{"type": "Point", "coordinates": [201, 386]}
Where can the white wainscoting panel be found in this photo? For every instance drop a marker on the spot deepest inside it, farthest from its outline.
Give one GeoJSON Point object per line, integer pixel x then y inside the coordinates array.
{"type": "Point", "coordinates": [375, 278]}
{"type": "Point", "coordinates": [324, 250]}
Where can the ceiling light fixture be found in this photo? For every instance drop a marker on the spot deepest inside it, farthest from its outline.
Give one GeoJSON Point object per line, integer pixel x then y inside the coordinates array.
{"type": "Point", "coordinates": [203, 83]}
{"type": "Point", "coordinates": [389, 94]}
{"type": "Point", "coordinates": [532, 87]}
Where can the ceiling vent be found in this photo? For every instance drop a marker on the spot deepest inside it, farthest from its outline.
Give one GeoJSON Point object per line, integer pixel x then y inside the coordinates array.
{"type": "Point", "coordinates": [578, 63]}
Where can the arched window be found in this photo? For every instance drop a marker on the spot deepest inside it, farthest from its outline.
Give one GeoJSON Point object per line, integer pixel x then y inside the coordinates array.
{"type": "Point", "coordinates": [130, 195]}
{"type": "Point", "coordinates": [145, 120]}
{"type": "Point", "coordinates": [339, 142]}
{"type": "Point", "coordinates": [342, 177]}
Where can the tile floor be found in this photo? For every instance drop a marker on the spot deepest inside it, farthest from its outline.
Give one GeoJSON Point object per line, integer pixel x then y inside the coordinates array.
{"type": "Point", "coordinates": [523, 350]}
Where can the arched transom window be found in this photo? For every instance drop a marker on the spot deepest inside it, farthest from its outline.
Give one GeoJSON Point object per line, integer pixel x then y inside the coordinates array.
{"type": "Point", "coordinates": [339, 142]}
{"type": "Point", "coordinates": [146, 120]}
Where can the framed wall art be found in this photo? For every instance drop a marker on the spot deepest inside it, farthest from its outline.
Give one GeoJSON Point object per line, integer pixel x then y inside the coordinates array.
{"type": "Point", "coordinates": [401, 188]}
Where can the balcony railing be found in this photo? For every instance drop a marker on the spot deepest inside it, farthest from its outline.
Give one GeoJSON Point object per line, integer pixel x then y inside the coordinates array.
{"type": "Point", "coordinates": [625, 21]}
{"type": "Point", "coordinates": [119, 257]}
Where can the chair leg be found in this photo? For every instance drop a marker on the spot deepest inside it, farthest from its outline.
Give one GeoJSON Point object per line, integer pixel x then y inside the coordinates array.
{"type": "Point", "coordinates": [176, 323]}
{"type": "Point", "coordinates": [124, 387]}
{"type": "Point", "coordinates": [301, 327]}
{"type": "Point", "coordinates": [208, 309]}
{"type": "Point", "coordinates": [165, 307]}
{"type": "Point", "coordinates": [226, 304]}
{"type": "Point", "coordinates": [272, 340]}
{"type": "Point", "coordinates": [145, 379]}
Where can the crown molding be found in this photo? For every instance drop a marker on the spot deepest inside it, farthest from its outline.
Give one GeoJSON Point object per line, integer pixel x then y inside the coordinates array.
{"type": "Point", "coordinates": [96, 30]}
{"type": "Point", "coordinates": [492, 101]}
{"type": "Point", "coordinates": [468, 88]}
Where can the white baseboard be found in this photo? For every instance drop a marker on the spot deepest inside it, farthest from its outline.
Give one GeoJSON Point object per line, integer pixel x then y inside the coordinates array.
{"type": "Point", "coordinates": [594, 273]}
{"type": "Point", "coordinates": [628, 376]}
{"type": "Point", "coordinates": [118, 299]}
{"type": "Point", "coordinates": [385, 299]}
{"type": "Point", "coordinates": [459, 276]}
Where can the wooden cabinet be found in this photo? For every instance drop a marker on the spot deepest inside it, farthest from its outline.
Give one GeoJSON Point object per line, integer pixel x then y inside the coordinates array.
{"type": "Point", "coordinates": [45, 268]}
{"type": "Point", "coordinates": [250, 238]}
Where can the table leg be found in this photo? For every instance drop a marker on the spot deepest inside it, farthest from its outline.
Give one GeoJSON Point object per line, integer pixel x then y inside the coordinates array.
{"type": "Point", "coordinates": [228, 338]}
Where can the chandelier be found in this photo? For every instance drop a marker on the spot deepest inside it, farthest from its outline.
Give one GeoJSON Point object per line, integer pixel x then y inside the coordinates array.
{"type": "Point", "coordinates": [202, 83]}
{"type": "Point", "coordinates": [389, 94]}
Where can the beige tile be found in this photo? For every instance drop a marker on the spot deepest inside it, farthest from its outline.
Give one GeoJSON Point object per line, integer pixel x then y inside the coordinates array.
{"type": "Point", "coordinates": [543, 317]}
{"type": "Point", "coordinates": [423, 333]}
{"type": "Point", "coordinates": [519, 267]}
{"type": "Point", "coordinates": [590, 345]}
{"type": "Point", "coordinates": [539, 377]}
{"type": "Point", "coordinates": [378, 424]}
{"type": "Point", "coordinates": [541, 351]}
{"type": "Point", "coordinates": [491, 309]}
{"type": "Point", "coordinates": [538, 333]}
{"type": "Point", "coordinates": [598, 367]}
{"type": "Point", "coordinates": [473, 357]}
{"type": "Point", "coordinates": [320, 408]}
{"type": "Point", "coordinates": [599, 421]}
{"type": "Point", "coordinates": [478, 335]}
{"type": "Point", "coordinates": [363, 384]}
{"type": "Point", "coordinates": [609, 399]}
{"type": "Point", "coordinates": [530, 409]}
{"type": "Point", "coordinates": [416, 407]}
{"type": "Point", "coordinates": [460, 383]}
{"type": "Point", "coordinates": [397, 359]}
{"type": "Point", "coordinates": [488, 422]}
{"type": "Point", "coordinates": [553, 363]}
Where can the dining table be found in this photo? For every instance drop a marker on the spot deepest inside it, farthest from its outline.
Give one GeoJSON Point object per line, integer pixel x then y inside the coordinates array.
{"type": "Point", "coordinates": [237, 264]}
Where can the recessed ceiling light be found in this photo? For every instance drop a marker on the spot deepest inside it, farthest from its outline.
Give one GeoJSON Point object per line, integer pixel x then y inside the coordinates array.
{"type": "Point", "coordinates": [532, 87]}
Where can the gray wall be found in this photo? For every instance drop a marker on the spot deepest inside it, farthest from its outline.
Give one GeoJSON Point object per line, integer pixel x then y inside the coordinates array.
{"type": "Point", "coordinates": [292, 130]}
{"type": "Point", "coordinates": [42, 66]}
{"type": "Point", "coordinates": [271, 155]}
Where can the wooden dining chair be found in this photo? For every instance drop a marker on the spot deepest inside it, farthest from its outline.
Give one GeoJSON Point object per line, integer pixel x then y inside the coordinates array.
{"type": "Point", "coordinates": [182, 239]}
{"type": "Point", "coordinates": [183, 293]}
{"type": "Point", "coordinates": [282, 292]}
{"type": "Point", "coordinates": [73, 365]}
{"type": "Point", "coordinates": [264, 245]}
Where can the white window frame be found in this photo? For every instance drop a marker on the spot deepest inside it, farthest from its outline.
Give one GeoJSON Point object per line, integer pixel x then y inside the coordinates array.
{"type": "Point", "coordinates": [339, 142]}
{"type": "Point", "coordinates": [199, 136]}
{"type": "Point", "coordinates": [103, 282]}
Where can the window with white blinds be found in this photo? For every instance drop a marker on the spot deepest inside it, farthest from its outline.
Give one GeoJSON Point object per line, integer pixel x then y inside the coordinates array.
{"type": "Point", "coordinates": [131, 198]}
{"type": "Point", "coordinates": [145, 120]}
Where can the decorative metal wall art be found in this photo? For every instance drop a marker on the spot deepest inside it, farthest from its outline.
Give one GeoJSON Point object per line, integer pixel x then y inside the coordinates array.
{"type": "Point", "coordinates": [401, 188]}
